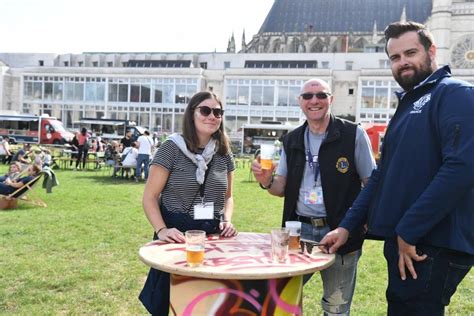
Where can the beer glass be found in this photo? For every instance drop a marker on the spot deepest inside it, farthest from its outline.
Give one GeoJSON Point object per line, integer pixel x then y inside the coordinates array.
{"type": "Point", "coordinates": [267, 151]}
{"type": "Point", "coordinates": [280, 238]}
{"type": "Point", "coordinates": [195, 243]}
{"type": "Point", "coordinates": [295, 232]}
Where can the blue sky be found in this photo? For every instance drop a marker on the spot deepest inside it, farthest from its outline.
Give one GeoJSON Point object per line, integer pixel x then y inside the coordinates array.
{"type": "Point", "coordinates": [74, 26]}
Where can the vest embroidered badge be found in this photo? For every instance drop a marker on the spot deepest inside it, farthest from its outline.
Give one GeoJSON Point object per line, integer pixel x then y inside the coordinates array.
{"type": "Point", "coordinates": [342, 165]}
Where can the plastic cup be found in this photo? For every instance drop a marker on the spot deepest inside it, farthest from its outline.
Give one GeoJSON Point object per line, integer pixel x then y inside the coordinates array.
{"type": "Point", "coordinates": [280, 238]}
{"type": "Point", "coordinates": [267, 151]}
{"type": "Point", "coordinates": [195, 244]}
{"type": "Point", "coordinates": [295, 233]}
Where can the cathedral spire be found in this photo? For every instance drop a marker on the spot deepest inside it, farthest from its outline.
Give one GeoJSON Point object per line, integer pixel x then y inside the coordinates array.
{"type": "Point", "coordinates": [231, 45]}
{"type": "Point", "coordinates": [244, 45]}
{"type": "Point", "coordinates": [403, 17]}
{"type": "Point", "coordinates": [374, 33]}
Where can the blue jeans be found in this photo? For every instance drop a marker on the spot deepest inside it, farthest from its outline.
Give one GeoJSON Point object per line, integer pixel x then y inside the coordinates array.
{"type": "Point", "coordinates": [438, 277]}
{"type": "Point", "coordinates": [145, 160]}
{"type": "Point", "coordinates": [339, 279]}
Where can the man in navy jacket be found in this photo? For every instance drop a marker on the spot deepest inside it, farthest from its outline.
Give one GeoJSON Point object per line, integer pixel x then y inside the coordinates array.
{"type": "Point", "coordinates": [420, 199]}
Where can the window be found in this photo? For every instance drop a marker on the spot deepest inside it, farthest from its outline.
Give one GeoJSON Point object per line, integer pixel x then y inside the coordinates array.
{"type": "Point", "coordinates": [325, 64]}
{"type": "Point", "coordinates": [95, 64]}
{"type": "Point", "coordinates": [226, 64]}
{"type": "Point", "coordinates": [66, 64]}
{"type": "Point", "coordinates": [48, 91]}
{"type": "Point", "coordinates": [123, 92]}
{"type": "Point", "coordinates": [231, 95]}
{"type": "Point", "coordinates": [80, 63]}
{"type": "Point", "coordinates": [351, 91]}
{"type": "Point", "coordinates": [203, 65]}
{"type": "Point", "coordinates": [243, 95]}
{"type": "Point", "coordinates": [40, 62]}
{"type": "Point", "coordinates": [74, 91]}
{"type": "Point", "coordinates": [118, 92]}
{"type": "Point", "coordinates": [58, 90]}
{"type": "Point", "coordinates": [110, 64]}
{"type": "Point", "coordinates": [349, 65]}
{"type": "Point", "coordinates": [384, 63]}
{"type": "Point", "coordinates": [140, 93]}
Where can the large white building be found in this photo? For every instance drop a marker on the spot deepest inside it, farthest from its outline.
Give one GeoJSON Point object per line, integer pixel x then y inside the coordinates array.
{"type": "Point", "coordinates": [340, 41]}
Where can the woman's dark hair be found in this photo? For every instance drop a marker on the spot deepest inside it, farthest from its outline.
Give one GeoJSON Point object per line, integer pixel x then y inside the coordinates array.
{"type": "Point", "coordinates": [396, 29]}
{"type": "Point", "coordinates": [84, 131]}
{"type": "Point", "coordinates": [189, 129]}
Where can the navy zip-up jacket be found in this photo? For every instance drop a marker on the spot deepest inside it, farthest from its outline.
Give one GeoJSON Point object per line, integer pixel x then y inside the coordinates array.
{"type": "Point", "coordinates": [423, 188]}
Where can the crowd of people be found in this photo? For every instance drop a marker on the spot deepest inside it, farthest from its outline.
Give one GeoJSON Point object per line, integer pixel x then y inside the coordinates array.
{"type": "Point", "coordinates": [131, 157]}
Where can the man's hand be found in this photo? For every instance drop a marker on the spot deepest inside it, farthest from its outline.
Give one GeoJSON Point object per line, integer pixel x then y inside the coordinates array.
{"type": "Point", "coordinates": [334, 240]}
{"type": "Point", "coordinates": [407, 253]}
{"type": "Point", "coordinates": [263, 176]}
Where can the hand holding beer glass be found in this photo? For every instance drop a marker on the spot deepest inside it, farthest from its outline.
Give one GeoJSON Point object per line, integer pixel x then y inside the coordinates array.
{"type": "Point", "coordinates": [195, 244]}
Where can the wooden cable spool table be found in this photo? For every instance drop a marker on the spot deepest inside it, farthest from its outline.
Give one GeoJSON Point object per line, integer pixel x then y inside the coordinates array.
{"type": "Point", "coordinates": [238, 276]}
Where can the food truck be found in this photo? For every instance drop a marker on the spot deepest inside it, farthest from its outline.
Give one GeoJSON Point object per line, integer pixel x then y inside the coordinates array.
{"type": "Point", "coordinates": [25, 128]}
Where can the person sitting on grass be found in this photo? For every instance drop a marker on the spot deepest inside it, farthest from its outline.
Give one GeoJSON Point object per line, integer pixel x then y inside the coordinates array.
{"type": "Point", "coordinates": [10, 186]}
{"type": "Point", "coordinates": [13, 172]}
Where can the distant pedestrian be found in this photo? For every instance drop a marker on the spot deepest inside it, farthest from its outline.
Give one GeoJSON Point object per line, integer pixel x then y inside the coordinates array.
{"type": "Point", "coordinates": [145, 147]}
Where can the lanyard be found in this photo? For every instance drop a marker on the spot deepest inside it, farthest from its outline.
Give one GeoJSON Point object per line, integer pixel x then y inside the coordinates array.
{"type": "Point", "coordinates": [313, 161]}
{"type": "Point", "coordinates": [201, 186]}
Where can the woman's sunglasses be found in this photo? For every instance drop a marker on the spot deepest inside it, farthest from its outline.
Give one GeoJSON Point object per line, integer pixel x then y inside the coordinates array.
{"type": "Point", "coordinates": [206, 111]}
{"type": "Point", "coordinates": [319, 95]}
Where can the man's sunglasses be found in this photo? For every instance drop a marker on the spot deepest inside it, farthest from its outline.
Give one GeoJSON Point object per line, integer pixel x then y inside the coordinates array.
{"type": "Point", "coordinates": [308, 245]}
{"type": "Point", "coordinates": [206, 111]}
{"type": "Point", "coordinates": [319, 95]}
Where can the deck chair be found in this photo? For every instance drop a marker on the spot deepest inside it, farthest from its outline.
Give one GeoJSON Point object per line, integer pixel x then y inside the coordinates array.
{"type": "Point", "coordinates": [11, 201]}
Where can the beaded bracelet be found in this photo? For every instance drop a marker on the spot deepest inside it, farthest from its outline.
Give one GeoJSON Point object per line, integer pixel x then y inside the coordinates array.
{"type": "Point", "coordinates": [159, 230]}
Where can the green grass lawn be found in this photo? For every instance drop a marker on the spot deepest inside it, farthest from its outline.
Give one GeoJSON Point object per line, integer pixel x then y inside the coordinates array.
{"type": "Point", "coordinates": [80, 254]}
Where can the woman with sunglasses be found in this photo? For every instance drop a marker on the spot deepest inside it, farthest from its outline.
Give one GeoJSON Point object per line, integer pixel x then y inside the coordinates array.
{"type": "Point", "coordinates": [189, 187]}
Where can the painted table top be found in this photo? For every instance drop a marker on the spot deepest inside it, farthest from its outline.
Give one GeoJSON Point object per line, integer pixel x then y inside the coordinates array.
{"type": "Point", "coordinates": [244, 257]}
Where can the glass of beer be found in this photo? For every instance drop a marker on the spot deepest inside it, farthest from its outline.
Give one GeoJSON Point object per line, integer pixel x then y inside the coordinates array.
{"type": "Point", "coordinates": [295, 232]}
{"type": "Point", "coordinates": [195, 244]}
{"type": "Point", "coordinates": [280, 238]}
{"type": "Point", "coordinates": [267, 151]}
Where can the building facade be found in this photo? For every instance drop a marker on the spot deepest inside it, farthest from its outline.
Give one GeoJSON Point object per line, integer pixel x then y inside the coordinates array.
{"type": "Point", "coordinates": [299, 40]}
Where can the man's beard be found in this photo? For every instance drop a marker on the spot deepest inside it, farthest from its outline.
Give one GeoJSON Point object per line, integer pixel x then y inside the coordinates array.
{"type": "Point", "coordinates": [419, 74]}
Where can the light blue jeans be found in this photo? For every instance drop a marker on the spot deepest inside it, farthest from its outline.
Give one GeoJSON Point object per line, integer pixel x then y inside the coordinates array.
{"type": "Point", "coordinates": [339, 279]}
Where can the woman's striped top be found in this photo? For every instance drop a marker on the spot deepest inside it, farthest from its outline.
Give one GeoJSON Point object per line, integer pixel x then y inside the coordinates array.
{"type": "Point", "coordinates": [181, 192]}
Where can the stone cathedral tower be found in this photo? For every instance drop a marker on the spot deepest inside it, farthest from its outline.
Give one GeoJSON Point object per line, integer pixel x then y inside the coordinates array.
{"type": "Point", "coordinates": [312, 26]}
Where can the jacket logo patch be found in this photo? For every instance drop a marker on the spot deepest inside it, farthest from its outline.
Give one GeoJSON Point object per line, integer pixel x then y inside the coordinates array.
{"type": "Point", "coordinates": [342, 165]}
{"type": "Point", "coordinates": [418, 105]}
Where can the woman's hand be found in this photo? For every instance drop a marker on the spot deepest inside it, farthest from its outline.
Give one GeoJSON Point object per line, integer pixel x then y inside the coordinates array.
{"type": "Point", "coordinates": [171, 235]}
{"type": "Point", "coordinates": [227, 229]}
